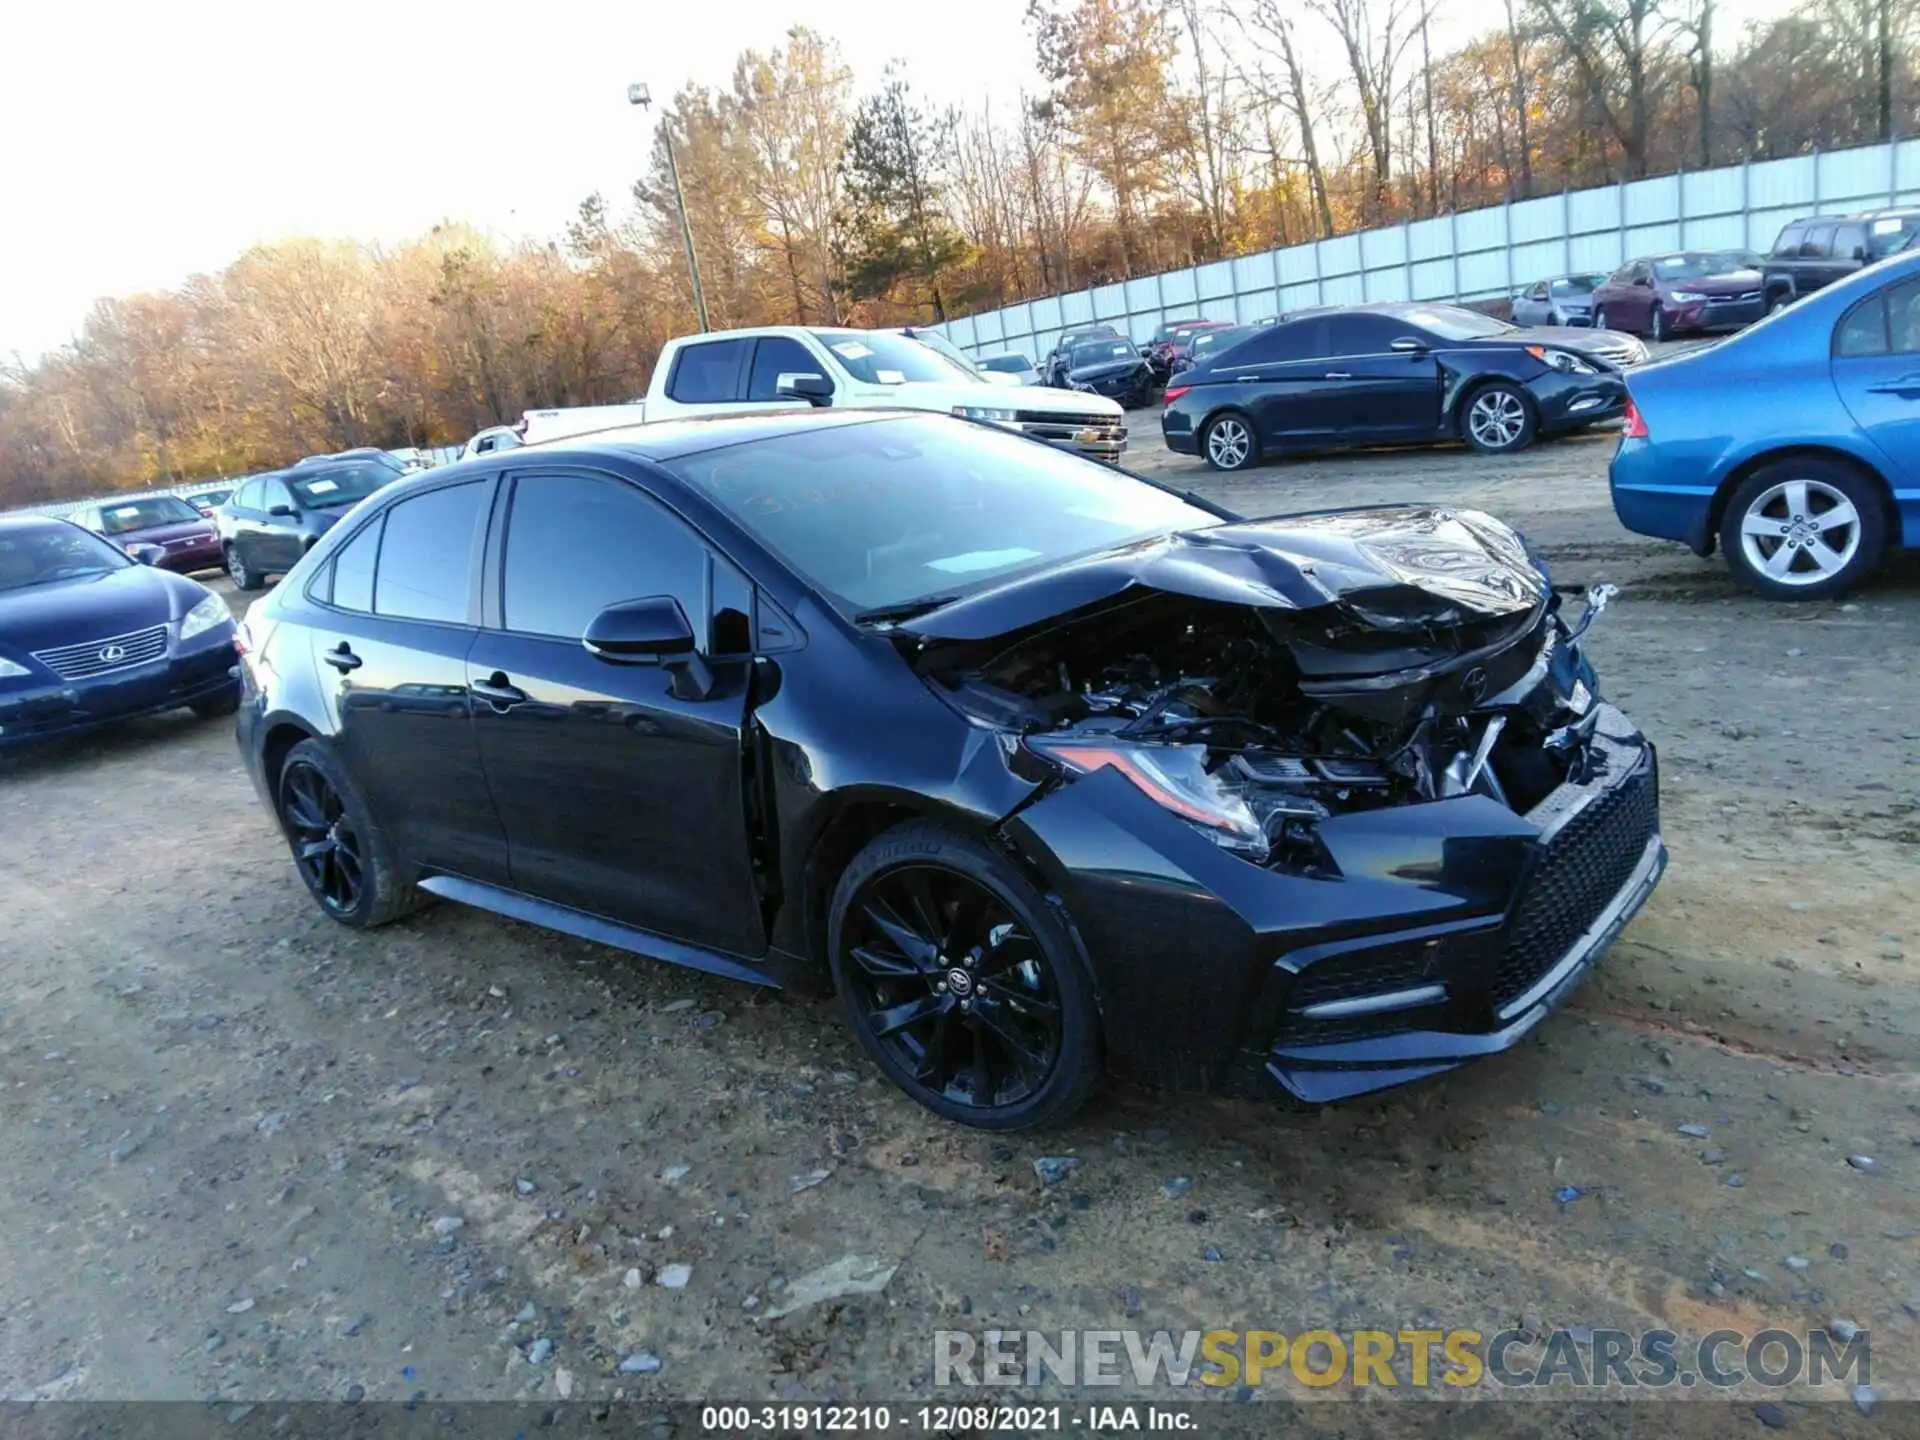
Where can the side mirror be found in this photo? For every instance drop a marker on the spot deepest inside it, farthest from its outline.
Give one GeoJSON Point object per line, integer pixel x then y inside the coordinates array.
{"type": "Point", "coordinates": [816, 390]}
{"type": "Point", "coordinates": [1407, 345]}
{"type": "Point", "coordinates": [147, 554]}
{"type": "Point", "coordinates": [282, 510]}
{"type": "Point", "coordinates": [651, 631]}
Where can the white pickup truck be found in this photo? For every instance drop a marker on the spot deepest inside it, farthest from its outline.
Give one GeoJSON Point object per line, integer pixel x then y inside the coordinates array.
{"type": "Point", "coordinates": [790, 366]}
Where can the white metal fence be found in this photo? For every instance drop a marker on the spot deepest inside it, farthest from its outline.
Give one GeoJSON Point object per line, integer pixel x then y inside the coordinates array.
{"type": "Point", "coordinates": [1477, 254]}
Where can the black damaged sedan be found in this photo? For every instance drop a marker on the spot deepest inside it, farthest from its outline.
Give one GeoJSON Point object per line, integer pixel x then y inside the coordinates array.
{"type": "Point", "coordinates": [1394, 374]}
{"type": "Point", "coordinates": [1050, 772]}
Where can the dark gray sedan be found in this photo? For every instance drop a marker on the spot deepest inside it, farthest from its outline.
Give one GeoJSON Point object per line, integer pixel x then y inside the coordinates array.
{"type": "Point", "coordinates": [1561, 300]}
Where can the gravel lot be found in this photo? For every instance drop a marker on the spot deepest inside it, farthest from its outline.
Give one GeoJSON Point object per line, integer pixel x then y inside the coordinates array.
{"type": "Point", "coordinates": [248, 1155]}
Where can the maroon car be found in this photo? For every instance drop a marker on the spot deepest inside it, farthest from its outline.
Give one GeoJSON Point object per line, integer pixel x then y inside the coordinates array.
{"type": "Point", "coordinates": [1661, 295]}
{"type": "Point", "coordinates": [185, 535]}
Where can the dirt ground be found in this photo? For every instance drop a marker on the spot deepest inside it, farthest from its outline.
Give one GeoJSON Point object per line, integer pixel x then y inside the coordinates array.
{"type": "Point", "coordinates": [248, 1155]}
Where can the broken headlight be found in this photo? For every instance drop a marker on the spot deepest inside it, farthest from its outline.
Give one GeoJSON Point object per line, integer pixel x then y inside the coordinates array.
{"type": "Point", "coordinates": [1173, 776]}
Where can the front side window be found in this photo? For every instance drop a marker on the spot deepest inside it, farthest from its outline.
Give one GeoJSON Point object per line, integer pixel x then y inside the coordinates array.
{"type": "Point", "coordinates": [774, 356]}
{"type": "Point", "coordinates": [426, 554]}
{"type": "Point", "coordinates": [1819, 243]}
{"type": "Point", "coordinates": [881, 513]}
{"type": "Point", "coordinates": [1361, 334]}
{"type": "Point", "coordinates": [1568, 287]}
{"type": "Point", "coordinates": [275, 492]}
{"type": "Point", "coordinates": [707, 373]}
{"type": "Point", "coordinates": [1788, 245]}
{"type": "Point", "coordinates": [579, 543]}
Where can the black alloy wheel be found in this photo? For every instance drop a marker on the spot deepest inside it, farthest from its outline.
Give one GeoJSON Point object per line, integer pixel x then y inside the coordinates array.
{"type": "Point", "coordinates": [342, 857]}
{"type": "Point", "coordinates": [961, 983]}
{"type": "Point", "coordinates": [325, 846]}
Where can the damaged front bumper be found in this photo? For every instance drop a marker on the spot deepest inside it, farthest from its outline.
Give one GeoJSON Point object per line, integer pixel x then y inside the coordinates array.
{"type": "Point", "coordinates": [1451, 929]}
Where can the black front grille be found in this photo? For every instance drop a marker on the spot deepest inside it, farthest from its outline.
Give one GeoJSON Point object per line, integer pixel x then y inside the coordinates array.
{"type": "Point", "coordinates": [1574, 877]}
{"type": "Point", "coordinates": [105, 655]}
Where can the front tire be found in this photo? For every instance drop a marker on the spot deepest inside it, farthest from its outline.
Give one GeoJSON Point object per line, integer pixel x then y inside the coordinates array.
{"type": "Point", "coordinates": [1600, 318]}
{"type": "Point", "coordinates": [1804, 529]}
{"type": "Point", "coordinates": [1228, 443]}
{"type": "Point", "coordinates": [1662, 332]}
{"type": "Point", "coordinates": [346, 863]}
{"type": "Point", "coordinates": [961, 981]}
{"type": "Point", "coordinates": [1498, 419]}
{"type": "Point", "coordinates": [244, 577]}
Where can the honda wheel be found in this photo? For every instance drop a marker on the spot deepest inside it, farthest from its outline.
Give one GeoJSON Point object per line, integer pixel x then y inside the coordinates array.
{"type": "Point", "coordinates": [1804, 529]}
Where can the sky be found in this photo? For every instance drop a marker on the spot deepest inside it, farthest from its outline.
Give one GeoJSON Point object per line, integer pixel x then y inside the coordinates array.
{"type": "Point", "coordinates": [147, 142]}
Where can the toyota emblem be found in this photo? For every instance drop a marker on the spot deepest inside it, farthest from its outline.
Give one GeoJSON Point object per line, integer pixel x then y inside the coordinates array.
{"type": "Point", "coordinates": [111, 653]}
{"type": "Point", "coordinates": [1473, 686]}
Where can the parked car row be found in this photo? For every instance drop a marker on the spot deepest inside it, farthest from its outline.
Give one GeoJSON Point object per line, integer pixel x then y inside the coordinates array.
{"type": "Point", "coordinates": [1393, 373]}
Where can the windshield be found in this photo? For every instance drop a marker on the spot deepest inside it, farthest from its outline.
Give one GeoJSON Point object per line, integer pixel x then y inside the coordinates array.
{"type": "Point", "coordinates": [41, 554]}
{"type": "Point", "coordinates": [1212, 340]}
{"type": "Point", "coordinates": [1453, 322]}
{"type": "Point", "coordinates": [1101, 352]}
{"type": "Point", "coordinates": [1572, 285]}
{"type": "Point", "coordinates": [1696, 265]}
{"type": "Point", "coordinates": [337, 484]}
{"type": "Point", "coordinates": [880, 514]}
{"type": "Point", "coordinates": [1007, 364]}
{"type": "Point", "coordinates": [943, 346]}
{"type": "Point", "coordinates": [880, 357]}
{"type": "Point", "coordinates": [1890, 233]}
{"type": "Point", "coordinates": [145, 514]}
{"type": "Point", "coordinates": [208, 497]}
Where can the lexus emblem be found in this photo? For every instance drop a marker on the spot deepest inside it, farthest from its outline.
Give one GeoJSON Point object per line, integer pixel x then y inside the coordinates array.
{"type": "Point", "coordinates": [1473, 686]}
{"type": "Point", "coordinates": [111, 653]}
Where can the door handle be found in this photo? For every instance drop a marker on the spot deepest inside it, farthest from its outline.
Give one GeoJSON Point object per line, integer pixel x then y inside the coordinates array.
{"type": "Point", "coordinates": [342, 658]}
{"type": "Point", "coordinates": [1336, 375]}
{"type": "Point", "coordinates": [497, 690]}
{"type": "Point", "coordinates": [1907, 386]}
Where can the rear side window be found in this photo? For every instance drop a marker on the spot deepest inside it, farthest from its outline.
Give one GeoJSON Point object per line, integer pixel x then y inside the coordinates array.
{"type": "Point", "coordinates": [1850, 243]}
{"type": "Point", "coordinates": [708, 373]}
{"type": "Point", "coordinates": [579, 543]}
{"type": "Point", "coordinates": [1788, 245]}
{"type": "Point", "coordinates": [274, 492]}
{"type": "Point", "coordinates": [1362, 334]}
{"type": "Point", "coordinates": [1300, 340]}
{"type": "Point", "coordinates": [353, 569]}
{"type": "Point", "coordinates": [1886, 322]}
{"type": "Point", "coordinates": [426, 554]}
{"type": "Point", "coordinates": [774, 356]}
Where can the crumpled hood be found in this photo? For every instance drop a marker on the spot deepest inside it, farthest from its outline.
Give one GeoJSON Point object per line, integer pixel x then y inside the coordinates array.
{"type": "Point", "coordinates": [1395, 567]}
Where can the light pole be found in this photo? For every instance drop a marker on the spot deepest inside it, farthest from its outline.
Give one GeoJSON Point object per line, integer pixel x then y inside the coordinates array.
{"type": "Point", "coordinates": [637, 95]}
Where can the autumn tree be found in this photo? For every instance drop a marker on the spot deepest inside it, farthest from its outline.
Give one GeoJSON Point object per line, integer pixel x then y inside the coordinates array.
{"type": "Point", "coordinates": [897, 233]}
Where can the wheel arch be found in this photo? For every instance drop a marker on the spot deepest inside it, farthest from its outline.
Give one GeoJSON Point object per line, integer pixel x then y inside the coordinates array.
{"type": "Point", "coordinates": [1457, 422]}
{"type": "Point", "coordinates": [849, 822]}
{"type": "Point", "coordinates": [1737, 476]}
{"type": "Point", "coordinates": [277, 739]}
{"type": "Point", "coordinates": [1221, 411]}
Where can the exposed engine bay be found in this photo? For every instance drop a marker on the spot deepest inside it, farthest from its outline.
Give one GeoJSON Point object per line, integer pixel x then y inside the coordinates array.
{"type": "Point", "coordinates": [1254, 723]}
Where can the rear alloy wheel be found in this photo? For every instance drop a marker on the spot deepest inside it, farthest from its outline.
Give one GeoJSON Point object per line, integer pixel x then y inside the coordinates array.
{"type": "Point", "coordinates": [1229, 444]}
{"type": "Point", "coordinates": [961, 982]}
{"type": "Point", "coordinates": [1804, 529]}
{"type": "Point", "coordinates": [344, 860]}
{"type": "Point", "coordinates": [1498, 420]}
{"type": "Point", "coordinates": [243, 578]}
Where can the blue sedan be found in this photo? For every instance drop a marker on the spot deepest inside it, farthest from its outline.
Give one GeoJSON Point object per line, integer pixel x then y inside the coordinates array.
{"type": "Point", "coordinates": [89, 636]}
{"type": "Point", "coordinates": [1795, 446]}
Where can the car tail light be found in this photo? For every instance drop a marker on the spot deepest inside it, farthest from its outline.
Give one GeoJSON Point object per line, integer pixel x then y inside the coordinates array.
{"type": "Point", "coordinates": [1636, 427]}
{"type": "Point", "coordinates": [1174, 392]}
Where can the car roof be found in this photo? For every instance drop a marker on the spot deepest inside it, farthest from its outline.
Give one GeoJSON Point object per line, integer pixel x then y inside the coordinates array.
{"type": "Point", "coordinates": [671, 439]}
